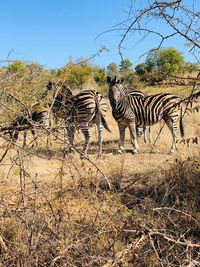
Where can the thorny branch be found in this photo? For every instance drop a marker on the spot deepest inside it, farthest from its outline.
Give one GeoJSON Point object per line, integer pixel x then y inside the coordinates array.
{"type": "Point", "coordinates": [181, 19]}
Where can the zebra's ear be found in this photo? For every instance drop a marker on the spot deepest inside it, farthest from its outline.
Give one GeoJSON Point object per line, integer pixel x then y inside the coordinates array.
{"type": "Point", "coordinates": [108, 79]}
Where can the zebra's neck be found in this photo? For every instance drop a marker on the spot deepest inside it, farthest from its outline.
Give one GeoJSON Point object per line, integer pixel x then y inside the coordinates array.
{"type": "Point", "coordinates": [123, 89]}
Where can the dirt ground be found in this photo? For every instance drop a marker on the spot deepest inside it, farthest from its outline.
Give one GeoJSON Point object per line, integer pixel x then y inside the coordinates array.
{"type": "Point", "coordinates": [149, 163]}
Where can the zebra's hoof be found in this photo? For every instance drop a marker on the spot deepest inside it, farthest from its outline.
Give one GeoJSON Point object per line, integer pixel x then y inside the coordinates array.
{"type": "Point", "coordinates": [120, 150]}
{"type": "Point", "coordinates": [135, 151]}
{"type": "Point", "coordinates": [171, 152]}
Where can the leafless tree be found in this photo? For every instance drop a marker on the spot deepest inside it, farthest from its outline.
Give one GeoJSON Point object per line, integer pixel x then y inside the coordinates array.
{"type": "Point", "coordinates": [180, 18]}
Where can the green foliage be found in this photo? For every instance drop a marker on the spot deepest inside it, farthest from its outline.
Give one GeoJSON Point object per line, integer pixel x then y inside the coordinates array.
{"type": "Point", "coordinates": [159, 64]}
{"type": "Point", "coordinates": [54, 72]}
{"type": "Point", "coordinates": [167, 61]}
{"type": "Point", "coordinates": [125, 65]}
{"type": "Point", "coordinates": [170, 60]}
{"type": "Point", "coordinates": [75, 74]}
{"type": "Point", "coordinates": [100, 77]}
{"type": "Point", "coordinates": [192, 67]}
{"type": "Point", "coordinates": [25, 83]}
{"type": "Point", "coordinates": [131, 80]}
{"type": "Point", "coordinates": [79, 75]}
{"type": "Point", "coordinates": [18, 68]}
{"type": "Point", "coordinates": [112, 69]}
{"type": "Point", "coordinates": [141, 68]}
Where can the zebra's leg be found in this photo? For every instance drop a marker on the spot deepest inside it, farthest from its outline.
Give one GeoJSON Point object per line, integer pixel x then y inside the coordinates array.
{"type": "Point", "coordinates": [132, 129]}
{"type": "Point", "coordinates": [150, 134]}
{"type": "Point", "coordinates": [145, 133]}
{"type": "Point", "coordinates": [70, 133]}
{"type": "Point", "coordinates": [122, 136]}
{"type": "Point", "coordinates": [171, 123]}
{"type": "Point", "coordinates": [86, 133]}
{"type": "Point", "coordinates": [100, 136]}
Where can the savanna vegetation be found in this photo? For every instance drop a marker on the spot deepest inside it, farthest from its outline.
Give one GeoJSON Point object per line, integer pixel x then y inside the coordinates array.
{"type": "Point", "coordinates": [114, 210]}
{"type": "Point", "coordinates": [117, 210]}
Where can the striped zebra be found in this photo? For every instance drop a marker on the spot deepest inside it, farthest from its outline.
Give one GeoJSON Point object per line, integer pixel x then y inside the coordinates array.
{"type": "Point", "coordinates": [25, 118]}
{"type": "Point", "coordinates": [139, 129]}
{"type": "Point", "coordinates": [79, 112]}
{"type": "Point", "coordinates": [130, 111]}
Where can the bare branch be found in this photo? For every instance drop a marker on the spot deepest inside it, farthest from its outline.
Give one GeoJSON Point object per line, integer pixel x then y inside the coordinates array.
{"type": "Point", "coordinates": [178, 17]}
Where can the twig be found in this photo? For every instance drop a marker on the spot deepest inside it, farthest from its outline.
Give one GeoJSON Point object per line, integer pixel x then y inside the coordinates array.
{"type": "Point", "coordinates": [6, 151]}
{"type": "Point", "coordinates": [170, 239]}
{"type": "Point", "coordinates": [18, 100]}
{"type": "Point", "coordinates": [161, 128]}
{"type": "Point", "coordinates": [179, 211]}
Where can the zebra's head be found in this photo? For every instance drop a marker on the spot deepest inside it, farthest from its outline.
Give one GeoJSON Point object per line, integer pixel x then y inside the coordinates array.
{"type": "Point", "coordinates": [56, 94]}
{"type": "Point", "coordinates": [115, 90]}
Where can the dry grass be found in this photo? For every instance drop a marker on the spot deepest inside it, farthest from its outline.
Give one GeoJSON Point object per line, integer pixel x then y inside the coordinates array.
{"type": "Point", "coordinates": [58, 210]}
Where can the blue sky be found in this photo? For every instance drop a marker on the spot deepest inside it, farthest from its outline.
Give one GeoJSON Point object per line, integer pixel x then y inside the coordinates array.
{"type": "Point", "coordinates": [49, 32]}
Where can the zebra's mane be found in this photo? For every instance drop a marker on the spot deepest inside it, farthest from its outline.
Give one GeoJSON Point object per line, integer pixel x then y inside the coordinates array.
{"type": "Point", "coordinates": [123, 89]}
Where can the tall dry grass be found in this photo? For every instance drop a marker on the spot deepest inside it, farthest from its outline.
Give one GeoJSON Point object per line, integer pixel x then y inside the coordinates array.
{"type": "Point", "coordinates": [58, 210]}
{"type": "Point", "coordinates": [117, 210]}
{"type": "Point", "coordinates": [73, 218]}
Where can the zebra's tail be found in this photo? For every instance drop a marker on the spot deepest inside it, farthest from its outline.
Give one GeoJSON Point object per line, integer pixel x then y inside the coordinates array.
{"type": "Point", "coordinates": [105, 123]}
{"type": "Point", "coordinates": [99, 112]}
{"type": "Point", "coordinates": [181, 124]}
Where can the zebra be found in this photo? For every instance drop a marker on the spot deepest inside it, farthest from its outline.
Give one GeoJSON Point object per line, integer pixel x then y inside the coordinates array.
{"type": "Point", "coordinates": [139, 129]}
{"type": "Point", "coordinates": [130, 111]}
{"type": "Point", "coordinates": [31, 119]}
{"type": "Point", "coordinates": [79, 112]}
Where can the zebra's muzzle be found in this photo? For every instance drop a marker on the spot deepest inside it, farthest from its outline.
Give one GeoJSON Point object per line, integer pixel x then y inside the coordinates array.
{"type": "Point", "coordinates": [115, 99]}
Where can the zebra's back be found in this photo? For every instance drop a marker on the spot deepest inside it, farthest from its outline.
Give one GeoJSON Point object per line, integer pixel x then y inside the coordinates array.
{"type": "Point", "coordinates": [86, 105]}
{"type": "Point", "coordinates": [137, 93]}
{"type": "Point", "coordinates": [151, 109]}
{"type": "Point", "coordinates": [83, 107]}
